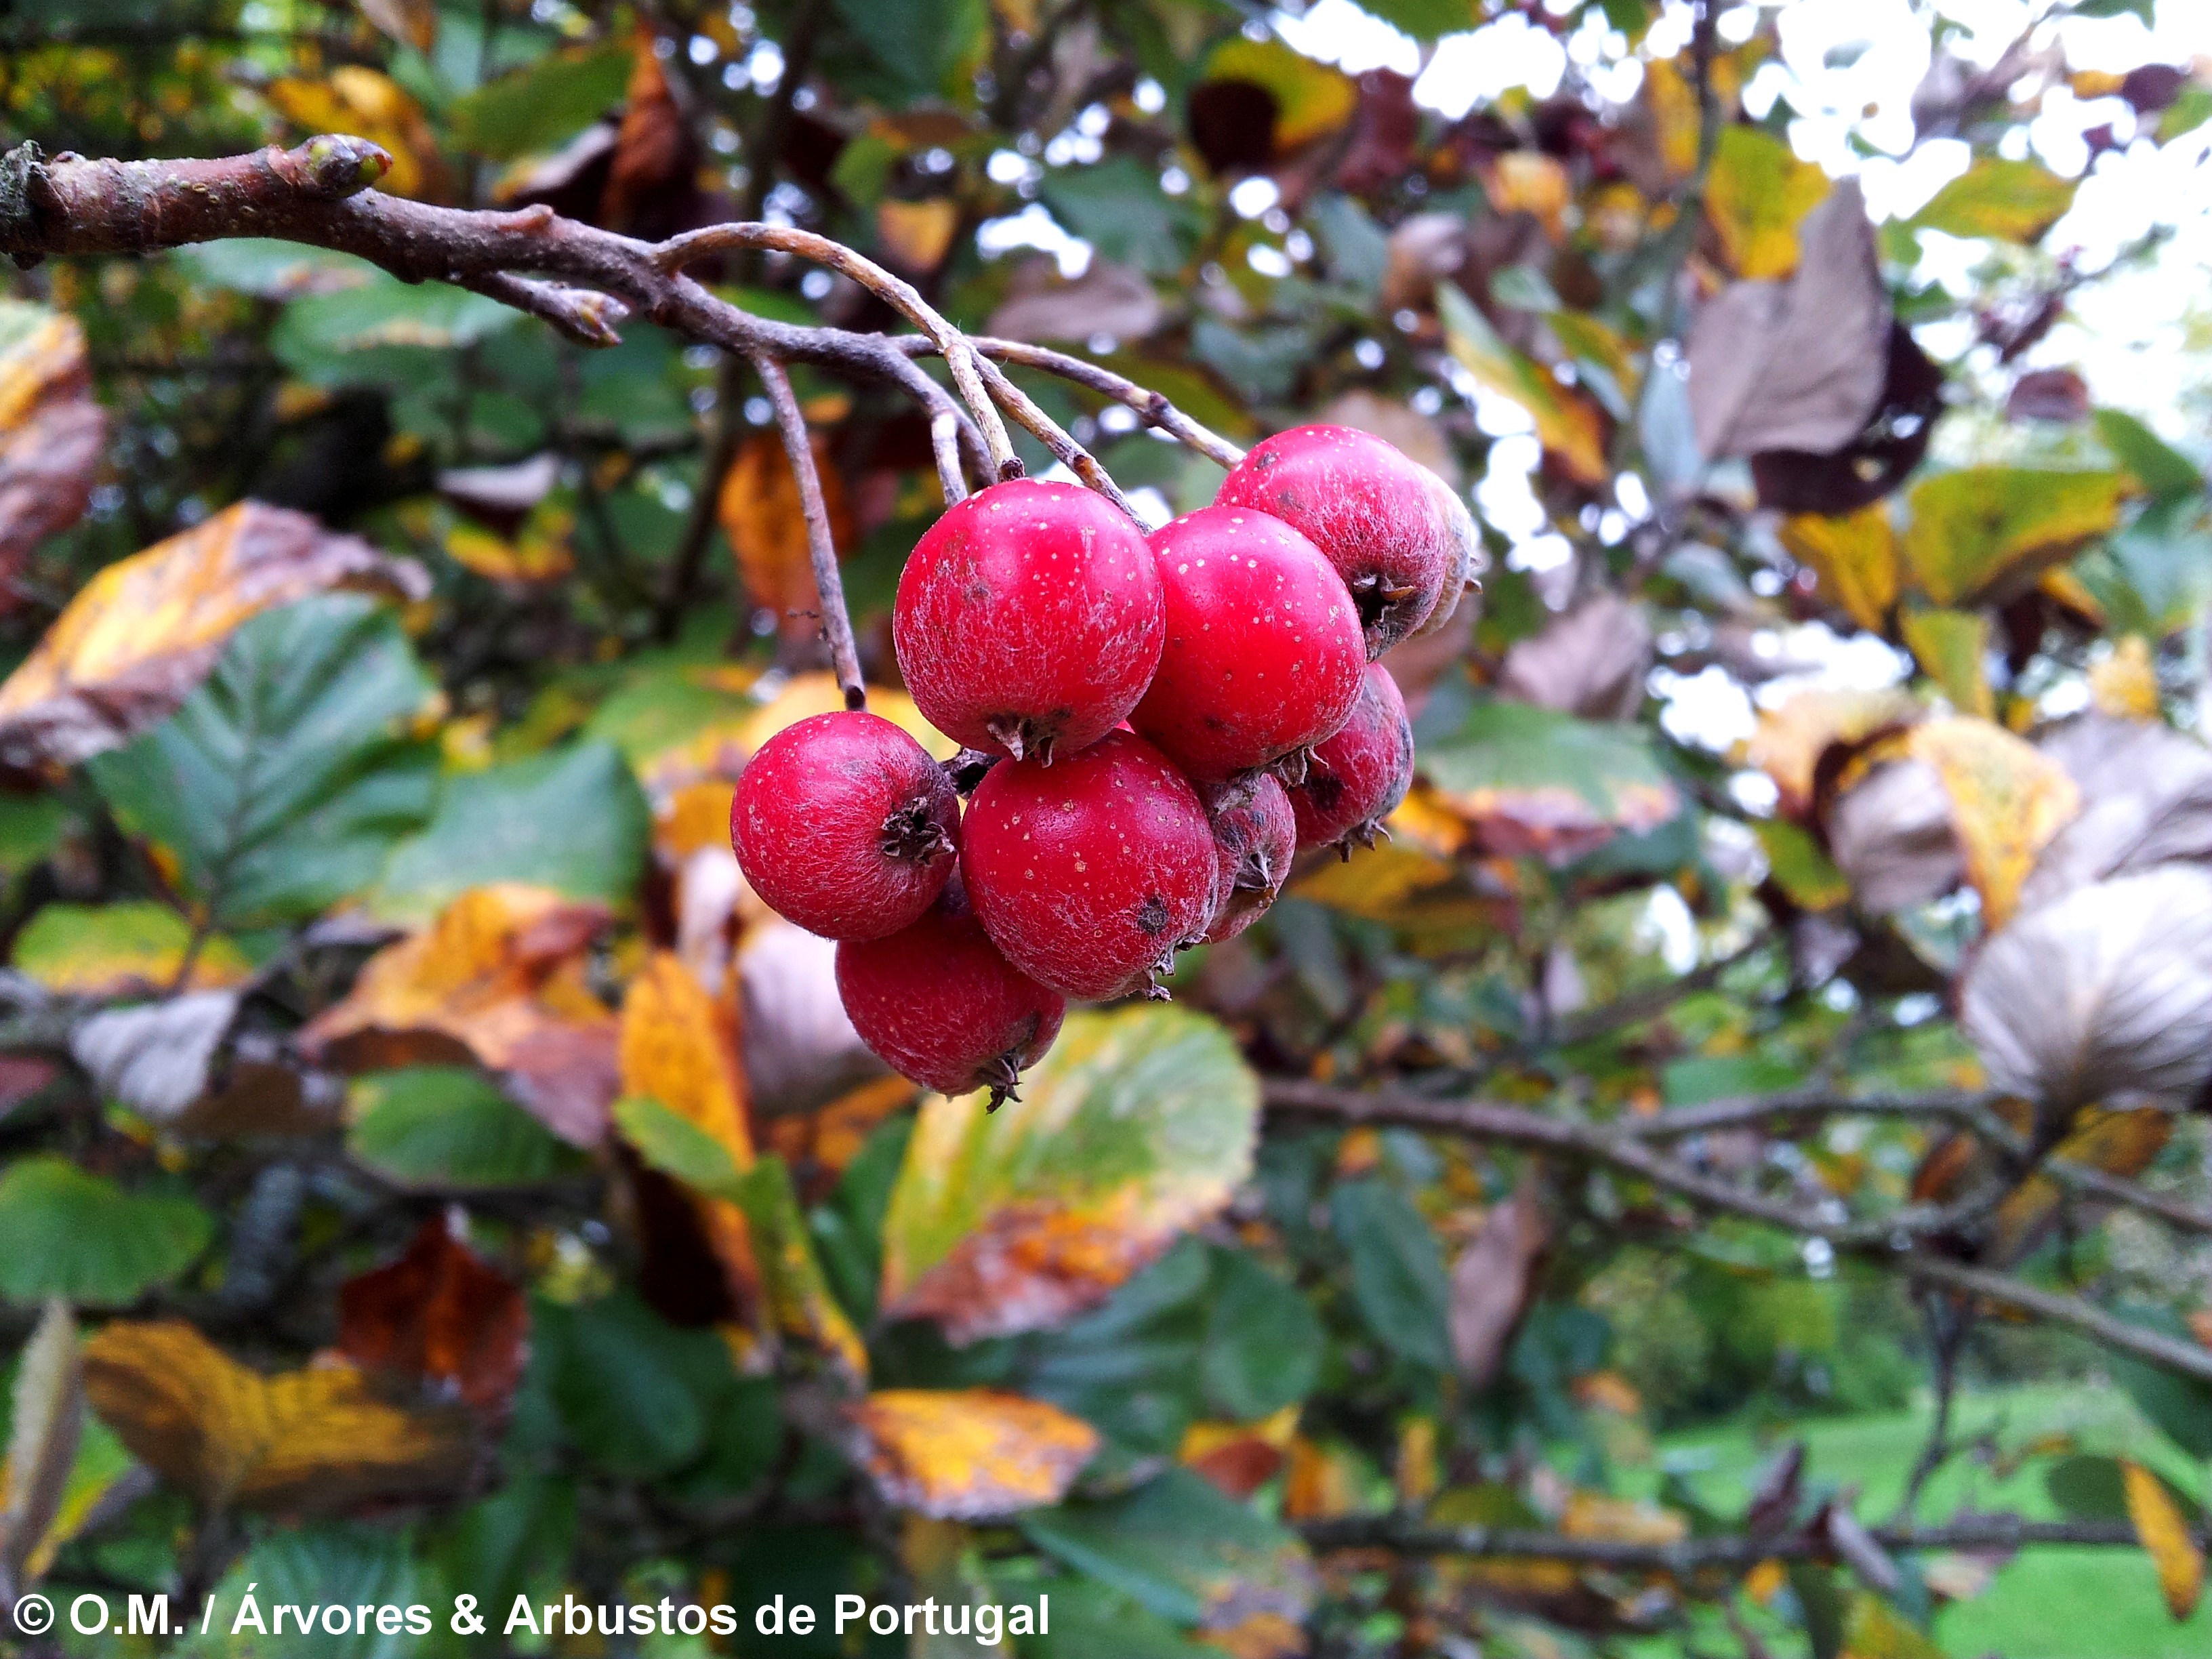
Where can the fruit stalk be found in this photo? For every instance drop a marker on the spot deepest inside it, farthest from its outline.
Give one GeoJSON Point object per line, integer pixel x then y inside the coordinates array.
{"type": "Point", "coordinates": [821, 549]}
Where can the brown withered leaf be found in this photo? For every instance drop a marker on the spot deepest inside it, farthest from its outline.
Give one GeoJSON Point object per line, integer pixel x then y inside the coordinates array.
{"type": "Point", "coordinates": [2101, 995]}
{"type": "Point", "coordinates": [760, 512]}
{"type": "Point", "coordinates": [318, 1440]}
{"type": "Point", "coordinates": [411, 22]}
{"type": "Point", "coordinates": [1493, 1281]}
{"type": "Point", "coordinates": [1591, 661]}
{"type": "Point", "coordinates": [498, 980]}
{"type": "Point", "coordinates": [1797, 365]}
{"type": "Point", "coordinates": [1894, 836]}
{"type": "Point", "coordinates": [439, 1315]}
{"type": "Point", "coordinates": [47, 1428]}
{"type": "Point", "coordinates": [52, 430]}
{"type": "Point", "coordinates": [652, 189]}
{"type": "Point", "coordinates": [141, 635]}
{"type": "Point", "coordinates": [1239, 1458]}
{"type": "Point", "coordinates": [2147, 800]}
{"type": "Point", "coordinates": [1107, 299]}
{"type": "Point", "coordinates": [677, 1047]}
{"type": "Point", "coordinates": [1878, 459]}
{"type": "Point", "coordinates": [969, 1453]}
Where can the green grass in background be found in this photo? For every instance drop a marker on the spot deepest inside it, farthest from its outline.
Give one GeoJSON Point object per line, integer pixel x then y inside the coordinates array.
{"type": "Point", "coordinates": [2070, 1603]}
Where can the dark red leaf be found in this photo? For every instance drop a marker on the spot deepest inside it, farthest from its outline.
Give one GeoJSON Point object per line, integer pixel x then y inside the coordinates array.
{"type": "Point", "coordinates": [1875, 463]}
{"type": "Point", "coordinates": [2048, 394]}
{"type": "Point", "coordinates": [1232, 123]}
{"type": "Point", "coordinates": [440, 1315]}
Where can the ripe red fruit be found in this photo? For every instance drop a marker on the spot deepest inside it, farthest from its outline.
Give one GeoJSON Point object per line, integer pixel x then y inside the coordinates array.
{"type": "Point", "coordinates": [1255, 835]}
{"type": "Point", "coordinates": [1263, 653]}
{"type": "Point", "coordinates": [1029, 619]}
{"type": "Point", "coordinates": [845, 825]}
{"type": "Point", "coordinates": [1090, 874]}
{"type": "Point", "coordinates": [1403, 542]}
{"type": "Point", "coordinates": [938, 1002]}
{"type": "Point", "coordinates": [1359, 774]}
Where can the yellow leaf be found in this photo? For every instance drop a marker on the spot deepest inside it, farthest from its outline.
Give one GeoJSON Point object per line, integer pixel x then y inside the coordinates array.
{"type": "Point", "coordinates": [1765, 1580]}
{"type": "Point", "coordinates": [2125, 684]}
{"type": "Point", "coordinates": [138, 637]}
{"type": "Point", "coordinates": [918, 234]}
{"type": "Point", "coordinates": [2166, 1537]}
{"type": "Point", "coordinates": [966, 1454]}
{"type": "Point", "coordinates": [1854, 558]}
{"type": "Point", "coordinates": [538, 553]}
{"type": "Point", "coordinates": [317, 1439]}
{"type": "Point", "coordinates": [1567, 424]}
{"type": "Point", "coordinates": [1986, 532]}
{"type": "Point", "coordinates": [369, 105]}
{"type": "Point", "coordinates": [1950, 646]}
{"type": "Point", "coordinates": [1311, 99]}
{"type": "Point", "coordinates": [1873, 1629]}
{"type": "Point", "coordinates": [1417, 1474]}
{"type": "Point", "coordinates": [2008, 800]}
{"type": "Point", "coordinates": [819, 693]}
{"type": "Point", "coordinates": [122, 950]}
{"type": "Point", "coordinates": [1754, 198]}
{"type": "Point", "coordinates": [1592, 1515]}
{"type": "Point", "coordinates": [1530, 181]}
{"type": "Point", "coordinates": [1792, 736]}
{"type": "Point", "coordinates": [2119, 1143]}
{"type": "Point", "coordinates": [2009, 200]}
{"type": "Point", "coordinates": [498, 979]}
{"type": "Point", "coordinates": [760, 512]}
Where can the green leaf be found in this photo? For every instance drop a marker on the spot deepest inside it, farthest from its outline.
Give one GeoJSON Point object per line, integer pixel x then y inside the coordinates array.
{"type": "Point", "coordinates": [446, 1128]}
{"type": "Point", "coordinates": [29, 827]}
{"type": "Point", "coordinates": [1138, 1124]}
{"type": "Point", "coordinates": [914, 44]}
{"type": "Point", "coordinates": [620, 1378]}
{"type": "Point", "coordinates": [1179, 1548]}
{"type": "Point", "coordinates": [1398, 1279]}
{"type": "Point", "coordinates": [2181, 1407]}
{"type": "Point", "coordinates": [2162, 471]}
{"type": "Point", "coordinates": [1429, 20]}
{"type": "Point", "coordinates": [83, 1238]}
{"type": "Point", "coordinates": [540, 106]}
{"type": "Point", "coordinates": [572, 819]}
{"type": "Point", "coordinates": [657, 708]}
{"type": "Point", "coordinates": [1534, 781]}
{"type": "Point", "coordinates": [1091, 1620]}
{"type": "Point", "coordinates": [1263, 1341]}
{"type": "Point", "coordinates": [2086, 1487]}
{"type": "Point", "coordinates": [1118, 207]}
{"type": "Point", "coordinates": [675, 1145]}
{"type": "Point", "coordinates": [270, 269]}
{"type": "Point", "coordinates": [313, 1566]}
{"type": "Point", "coordinates": [2005, 200]}
{"type": "Point", "coordinates": [1990, 531]}
{"type": "Point", "coordinates": [283, 783]}
{"type": "Point", "coordinates": [1700, 1078]}
{"type": "Point", "coordinates": [385, 311]}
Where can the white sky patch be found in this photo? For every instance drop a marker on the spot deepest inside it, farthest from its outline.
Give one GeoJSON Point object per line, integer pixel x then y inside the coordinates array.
{"type": "Point", "coordinates": [1337, 32]}
{"type": "Point", "coordinates": [1467, 69]}
{"type": "Point", "coordinates": [1034, 227]}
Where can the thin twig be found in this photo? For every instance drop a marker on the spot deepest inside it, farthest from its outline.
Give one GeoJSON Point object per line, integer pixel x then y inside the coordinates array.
{"type": "Point", "coordinates": [1153, 406]}
{"type": "Point", "coordinates": [944, 444]}
{"type": "Point", "coordinates": [1728, 1552]}
{"type": "Point", "coordinates": [820, 549]}
{"type": "Point", "coordinates": [1054, 437]}
{"type": "Point", "coordinates": [677, 252]}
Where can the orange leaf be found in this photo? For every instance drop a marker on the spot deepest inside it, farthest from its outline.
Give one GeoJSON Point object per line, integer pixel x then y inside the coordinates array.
{"type": "Point", "coordinates": [372, 106]}
{"type": "Point", "coordinates": [917, 234]}
{"type": "Point", "coordinates": [317, 1440]}
{"type": "Point", "coordinates": [498, 979]}
{"type": "Point", "coordinates": [138, 636]}
{"type": "Point", "coordinates": [1239, 1458]}
{"type": "Point", "coordinates": [760, 512]}
{"type": "Point", "coordinates": [965, 1453]}
{"type": "Point", "coordinates": [440, 1315]}
{"type": "Point", "coordinates": [1792, 736]}
{"type": "Point", "coordinates": [51, 430]}
{"type": "Point", "coordinates": [1530, 181]}
{"type": "Point", "coordinates": [2166, 1537]}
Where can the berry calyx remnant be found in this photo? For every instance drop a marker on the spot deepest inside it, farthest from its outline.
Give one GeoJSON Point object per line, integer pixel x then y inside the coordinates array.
{"type": "Point", "coordinates": [1263, 652]}
{"type": "Point", "coordinates": [1402, 540]}
{"type": "Point", "coordinates": [844, 825]}
{"type": "Point", "coordinates": [1255, 836]}
{"type": "Point", "coordinates": [938, 1002]}
{"type": "Point", "coordinates": [1358, 776]}
{"type": "Point", "coordinates": [1089, 874]}
{"type": "Point", "coordinates": [1029, 619]}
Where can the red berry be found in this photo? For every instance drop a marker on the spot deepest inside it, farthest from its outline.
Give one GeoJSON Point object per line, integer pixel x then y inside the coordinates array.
{"type": "Point", "coordinates": [1263, 650]}
{"type": "Point", "coordinates": [939, 1003]}
{"type": "Point", "coordinates": [1029, 619]}
{"type": "Point", "coordinates": [1090, 874]}
{"type": "Point", "coordinates": [1255, 835]}
{"type": "Point", "coordinates": [1403, 542]}
{"type": "Point", "coordinates": [845, 825]}
{"type": "Point", "coordinates": [1359, 774]}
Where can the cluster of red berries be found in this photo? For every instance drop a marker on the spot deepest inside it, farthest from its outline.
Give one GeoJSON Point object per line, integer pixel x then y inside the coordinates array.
{"type": "Point", "coordinates": [1153, 727]}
